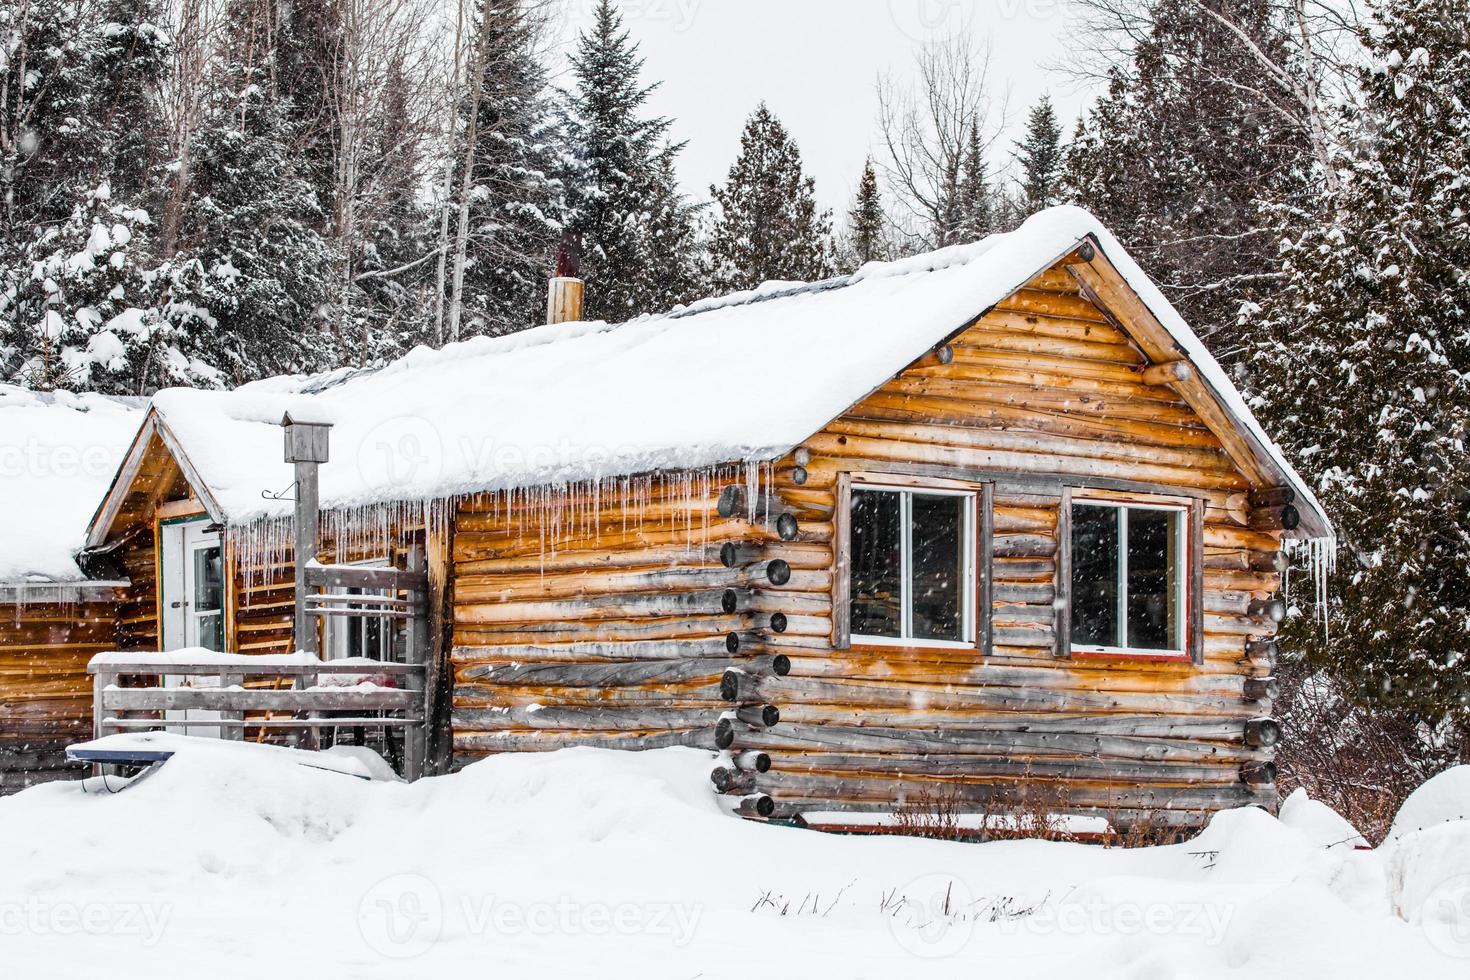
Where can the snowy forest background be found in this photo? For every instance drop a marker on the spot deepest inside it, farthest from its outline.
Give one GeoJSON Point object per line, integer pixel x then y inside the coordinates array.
{"type": "Point", "coordinates": [206, 192]}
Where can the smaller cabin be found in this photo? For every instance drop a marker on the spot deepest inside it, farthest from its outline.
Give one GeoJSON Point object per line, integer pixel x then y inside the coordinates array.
{"type": "Point", "coordinates": [985, 530]}
{"type": "Point", "coordinates": [57, 453]}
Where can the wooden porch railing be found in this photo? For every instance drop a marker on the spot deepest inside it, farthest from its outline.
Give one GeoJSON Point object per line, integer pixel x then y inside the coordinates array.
{"type": "Point", "coordinates": [289, 697]}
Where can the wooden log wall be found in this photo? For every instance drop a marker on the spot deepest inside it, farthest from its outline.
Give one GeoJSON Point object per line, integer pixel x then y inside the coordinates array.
{"type": "Point", "coordinates": [615, 633]}
{"type": "Point", "coordinates": [45, 693]}
{"type": "Point", "coordinates": [623, 638]}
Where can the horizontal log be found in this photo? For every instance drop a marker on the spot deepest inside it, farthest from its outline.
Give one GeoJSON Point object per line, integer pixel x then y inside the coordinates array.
{"type": "Point", "coordinates": [597, 717]}
{"type": "Point", "coordinates": [871, 739]}
{"type": "Point", "coordinates": [595, 675]}
{"type": "Point", "coordinates": [1021, 792]}
{"type": "Point", "coordinates": [486, 743]}
{"type": "Point", "coordinates": [1005, 767]}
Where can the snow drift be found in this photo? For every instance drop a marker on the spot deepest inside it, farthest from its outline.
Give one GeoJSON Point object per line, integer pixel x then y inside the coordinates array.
{"type": "Point", "coordinates": [230, 862]}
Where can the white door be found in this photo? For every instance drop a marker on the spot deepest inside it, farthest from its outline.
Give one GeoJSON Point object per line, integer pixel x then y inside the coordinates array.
{"type": "Point", "coordinates": [193, 586]}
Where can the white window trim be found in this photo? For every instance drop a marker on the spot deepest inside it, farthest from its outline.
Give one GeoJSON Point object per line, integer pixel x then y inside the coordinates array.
{"type": "Point", "coordinates": [968, 600]}
{"type": "Point", "coordinates": [1181, 579]}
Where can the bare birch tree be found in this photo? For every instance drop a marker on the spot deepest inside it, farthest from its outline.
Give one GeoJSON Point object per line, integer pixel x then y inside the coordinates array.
{"type": "Point", "coordinates": [931, 129]}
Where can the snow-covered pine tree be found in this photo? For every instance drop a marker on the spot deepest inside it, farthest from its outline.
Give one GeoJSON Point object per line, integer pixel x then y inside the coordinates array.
{"type": "Point", "coordinates": [249, 282]}
{"type": "Point", "coordinates": [769, 226]}
{"type": "Point", "coordinates": [516, 204]}
{"type": "Point", "coordinates": [866, 238]}
{"type": "Point", "coordinates": [1040, 156]}
{"type": "Point", "coordinates": [974, 202]}
{"type": "Point", "coordinates": [1180, 155]}
{"type": "Point", "coordinates": [1364, 373]}
{"type": "Point", "coordinates": [673, 269]}
{"type": "Point", "coordinates": [624, 206]}
{"type": "Point", "coordinates": [78, 169]}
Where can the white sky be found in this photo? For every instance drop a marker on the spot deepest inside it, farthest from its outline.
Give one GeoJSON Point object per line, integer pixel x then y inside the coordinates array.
{"type": "Point", "coordinates": [816, 62]}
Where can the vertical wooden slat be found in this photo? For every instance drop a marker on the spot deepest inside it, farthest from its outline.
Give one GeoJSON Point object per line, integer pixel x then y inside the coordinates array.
{"type": "Point", "coordinates": [984, 567]}
{"type": "Point", "coordinates": [1064, 575]}
{"type": "Point", "coordinates": [1196, 552]}
{"type": "Point", "coordinates": [842, 568]}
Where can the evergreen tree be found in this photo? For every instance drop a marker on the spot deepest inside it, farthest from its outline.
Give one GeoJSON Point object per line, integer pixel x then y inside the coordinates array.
{"type": "Point", "coordinates": [867, 233]}
{"type": "Point", "coordinates": [624, 205]}
{"type": "Point", "coordinates": [673, 270]}
{"type": "Point", "coordinates": [1180, 155]}
{"type": "Point", "coordinates": [1040, 154]}
{"type": "Point", "coordinates": [77, 171]}
{"type": "Point", "coordinates": [976, 210]}
{"type": "Point", "coordinates": [249, 284]}
{"type": "Point", "coordinates": [517, 207]}
{"type": "Point", "coordinates": [769, 226]}
{"type": "Point", "coordinates": [1364, 372]}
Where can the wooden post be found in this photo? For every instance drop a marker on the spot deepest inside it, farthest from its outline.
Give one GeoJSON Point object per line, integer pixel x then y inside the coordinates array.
{"type": "Point", "coordinates": [306, 449]}
{"type": "Point", "coordinates": [415, 735]}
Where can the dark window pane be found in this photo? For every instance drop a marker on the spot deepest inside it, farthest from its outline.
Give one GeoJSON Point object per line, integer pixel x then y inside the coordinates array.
{"type": "Point", "coordinates": [938, 567]}
{"type": "Point", "coordinates": [209, 578]}
{"type": "Point", "coordinates": [875, 546]}
{"type": "Point", "coordinates": [1095, 575]}
{"type": "Point", "coordinates": [1152, 586]}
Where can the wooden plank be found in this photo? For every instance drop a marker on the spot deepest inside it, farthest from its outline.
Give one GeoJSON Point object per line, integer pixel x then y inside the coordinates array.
{"type": "Point", "coordinates": [842, 567]}
{"type": "Point", "coordinates": [212, 699]}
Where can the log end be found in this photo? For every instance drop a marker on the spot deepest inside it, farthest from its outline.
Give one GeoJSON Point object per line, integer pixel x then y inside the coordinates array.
{"type": "Point", "coordinates": [778, 572]}
{"type": "Point", "coordinates": [1258, 773]}
{"type": "Point", "coordinates": [787, 527]}
{"type": "Point", "coordinates": [1262, 733]}
{"type": "Point", "coordinates": [779, 622]}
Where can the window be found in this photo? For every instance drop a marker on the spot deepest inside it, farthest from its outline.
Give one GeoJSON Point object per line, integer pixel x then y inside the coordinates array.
{"type": "Point", "coordinates": [361, 636]}
{"type": "Point", "coordinates": [1129, 567]}
{"type": "Point", "coordinates": [911, 560]}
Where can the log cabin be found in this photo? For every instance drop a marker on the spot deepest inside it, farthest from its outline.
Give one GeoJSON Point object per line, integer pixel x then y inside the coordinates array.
{"type": "Point", "coordinates": [986, 529]}
{"type": "Point", "coordinates": [57, 453]}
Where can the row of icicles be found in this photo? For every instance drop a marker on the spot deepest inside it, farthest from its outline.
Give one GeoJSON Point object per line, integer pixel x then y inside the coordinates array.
{"type": "Point", "coordinates": [556, 514]}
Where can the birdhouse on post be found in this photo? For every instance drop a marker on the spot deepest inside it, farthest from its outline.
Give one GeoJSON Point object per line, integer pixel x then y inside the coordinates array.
{"type": "Point", "coordinates": [306, 449]}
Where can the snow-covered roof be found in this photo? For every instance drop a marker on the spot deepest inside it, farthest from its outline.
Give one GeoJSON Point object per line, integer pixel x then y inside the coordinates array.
{"type": "Point", "coordinates": [743, 377]}
{"type": "Point", "coordinates": [58, 451]}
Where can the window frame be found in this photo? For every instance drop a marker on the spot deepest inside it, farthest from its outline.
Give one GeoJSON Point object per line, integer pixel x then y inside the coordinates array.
{"type": "Point", "coordinates": [1189, 586]}
{"type": "Point", "coordinates": [974, 620]}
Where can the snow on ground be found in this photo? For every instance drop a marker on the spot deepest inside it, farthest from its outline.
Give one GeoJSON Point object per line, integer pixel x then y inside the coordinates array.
{"type": "Point", "coordinates": [234, 863]}
{"type": "Point", "coordinates": [58, 453]}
